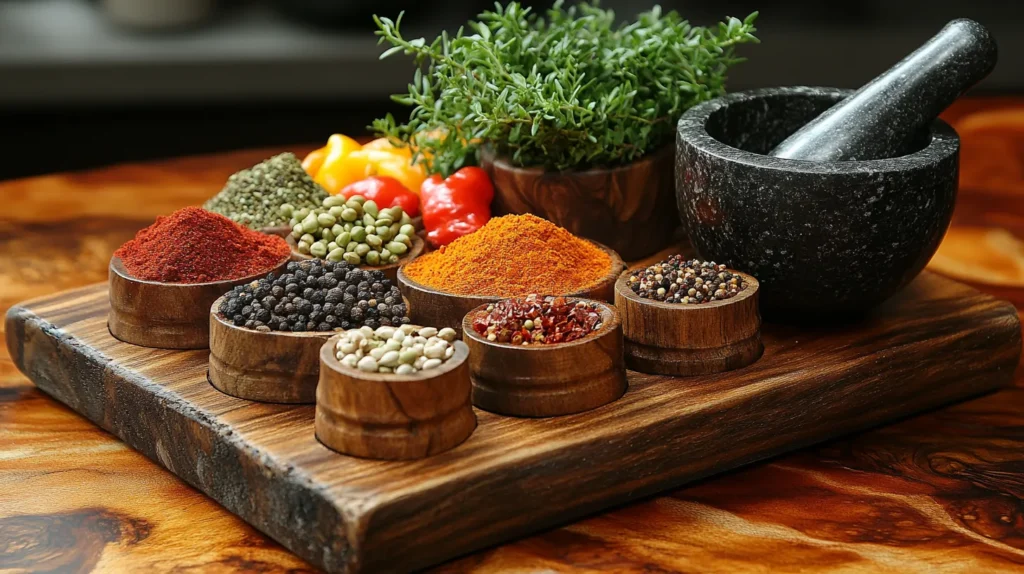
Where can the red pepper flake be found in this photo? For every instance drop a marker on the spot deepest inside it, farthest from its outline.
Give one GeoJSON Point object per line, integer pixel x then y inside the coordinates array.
{"type": "Point", "coordinates": [535, 319]}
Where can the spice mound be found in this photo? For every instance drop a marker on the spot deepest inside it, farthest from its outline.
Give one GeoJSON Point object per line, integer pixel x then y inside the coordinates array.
{"type": "Point", "coordinates": [405, 350]}
{"type": "Point", "coordinates": [193, 245]}
{"type": "Point", "coordinates": [353, 230]}
{"type": "Point", "coordinates": [537, 320]}
{"type": "Point", "coordinates": [316, 295]}
{"type": "Point", "coordinates": [512, 256]}
{"type": "Point", "coordinates": [677, 280]}
{"type": "Point", "coordinates": [254, 196]}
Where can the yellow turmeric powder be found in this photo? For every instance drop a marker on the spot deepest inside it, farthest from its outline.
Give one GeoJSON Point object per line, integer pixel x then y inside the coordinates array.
{"type": "Point", "coordinates": [512, 256]}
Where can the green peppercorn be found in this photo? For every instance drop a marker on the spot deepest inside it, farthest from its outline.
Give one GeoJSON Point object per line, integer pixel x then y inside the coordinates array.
{"type": "Point", "coordinates": [358, 199]}
{"type": "Point", "coordinates": [309, 224]}
{"type": "Point", "coordinates": [352, 258]}
{"type": "Point", "coordinates": [326, 235]}
{"type": "Point", "coordinates": [370, 207]}
{"type": "Point", "coordinates": [303, 247]}
{"type": "Point", "coordinates": [374, 241]}
{"type": "Point", "coordinates": [349, 214]}
{"type": "Point", "coordinates": [351, 246]}
{"type": "Point", "coordinates": [358, 234]}
{"type": "Point", "coordinates": [385, 254]}
{"type": "Point", "coordinates": [373, 258]}
{"type": "Point", "coordinates": [343, 238]}
{"type": "Point", "coordinates": [362, 249]}
{"type": "Point", "coordinates": [336, 255]}
{"type": "Point", "coordinates": [402, 238]}
{"type": "Point", "coordinates": [396, 247]}
{"type": "Point", "coordinates": [318, 249]}
{"type": "Point", "coordinates": [334, 201]}
{"type": "Point", "coordinates": [336, 211]}
{"type": "Point", "coordinates": [326, 219]}
{"type": "Point", "coordinates": [368, 220]}
{"type": "Point", "coordinates": [407, 230]}
{"type": "Point", "coordinates": [308, 238]}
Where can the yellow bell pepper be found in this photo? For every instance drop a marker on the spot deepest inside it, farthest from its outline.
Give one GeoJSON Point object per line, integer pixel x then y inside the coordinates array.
{"type": "Point", "coordinates": [343, 161]}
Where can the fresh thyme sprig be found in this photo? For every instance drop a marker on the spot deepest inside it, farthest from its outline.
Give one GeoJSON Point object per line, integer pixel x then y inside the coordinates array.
{"type": "Point", "coordinates": [568, 91]}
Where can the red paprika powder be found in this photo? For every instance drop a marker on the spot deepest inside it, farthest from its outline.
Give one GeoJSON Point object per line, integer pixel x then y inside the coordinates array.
{"type": "Point", "coordinates": [193, 245]}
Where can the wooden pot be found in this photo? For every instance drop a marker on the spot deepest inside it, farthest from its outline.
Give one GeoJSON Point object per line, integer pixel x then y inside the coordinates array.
{"type": "Point", "coordinates": [390, 270]}
{"type": "Point", "coordinates": [631, 208]}
{"type": "Point", "coordinates": [547, 380]}
{"type": "Point", "coordinates": [429, 306]}
{"type": "Point", "coordinates": [389, 416]}
{"type": "Point", "coordinates": [165, 315]}
{"type": "Point", "coordinates": [676, 339]}
{"type": "Point", "coordinates": [271, 367]}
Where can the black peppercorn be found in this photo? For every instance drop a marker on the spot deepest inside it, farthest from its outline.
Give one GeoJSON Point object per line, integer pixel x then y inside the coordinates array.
{"type": "Point", "coordinates": [316, 296]}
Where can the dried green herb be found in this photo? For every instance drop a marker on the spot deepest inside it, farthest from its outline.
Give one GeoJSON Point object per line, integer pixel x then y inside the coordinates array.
{"type": "Point", "coordinates": [568, 91]}
{"type": "Point", "coordinates": [254, 196]}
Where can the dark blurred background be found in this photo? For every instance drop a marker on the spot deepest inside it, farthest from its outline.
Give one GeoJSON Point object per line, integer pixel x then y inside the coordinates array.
{"type": "Point", "coordinates": [85, 83]}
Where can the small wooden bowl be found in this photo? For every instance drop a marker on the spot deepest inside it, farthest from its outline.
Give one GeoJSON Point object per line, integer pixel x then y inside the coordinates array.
{"type": "Point", "coordinates": [676, 339]}
{"type": "Point", "coordinates": [631, 208]}
{"type": "Point", "coordinates": [429, 306]}
{"type": "Point", "coordinates": [165, 315]}
{"type": "Point", "coordinates": [271, 367]}
{"type": "Point", "coordinates": [393, 417]}
{"type": "Point", "coordinates": [547, 380]}
{"type": "Point", "coordinates": [390, 270]}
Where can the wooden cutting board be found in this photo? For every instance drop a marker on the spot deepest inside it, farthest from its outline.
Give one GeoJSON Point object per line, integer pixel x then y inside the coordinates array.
{"type": "Point", "coordinates": [938, 341]}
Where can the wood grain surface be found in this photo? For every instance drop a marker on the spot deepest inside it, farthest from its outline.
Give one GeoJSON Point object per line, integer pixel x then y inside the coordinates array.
{"type": "Point", "coordinates": [940, 492]}
{"type": "Point", "coordinates": [935, 342]}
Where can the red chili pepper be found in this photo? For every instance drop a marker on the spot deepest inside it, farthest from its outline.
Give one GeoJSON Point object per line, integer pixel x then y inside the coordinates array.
{"type": "Point", "coordinates": [456, 206]}
{"type": "Point", "coordinates": [385, 192]}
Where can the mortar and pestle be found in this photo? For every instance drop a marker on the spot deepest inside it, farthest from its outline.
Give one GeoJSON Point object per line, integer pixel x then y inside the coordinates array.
{"type": "Point", "coordinates": [833, 199]}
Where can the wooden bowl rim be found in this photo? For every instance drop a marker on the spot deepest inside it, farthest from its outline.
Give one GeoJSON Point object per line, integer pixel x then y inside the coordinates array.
{"type": "Point", "coordinates": [328, 357]}
{"type": "Point", "coordinates": [614, 270]}
{"type": "Point", "coordinates": [215, 315]}
{"type": "Point", "coordinates": [609, 313]}
{"type": "Point", "coordinates": [282, 231]}
{"type": "Point", "coordinates": [417, 248]}
{"type": "Point", "coordinates": [502, 163]}
{"type": "Point", "coordinates": [117, 266]}
{"type": "Point", "coordinates": [620, 287]}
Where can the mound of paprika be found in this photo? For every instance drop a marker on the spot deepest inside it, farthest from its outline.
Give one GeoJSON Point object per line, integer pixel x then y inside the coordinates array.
{"type": "Point", "coordinates": [455, 206]}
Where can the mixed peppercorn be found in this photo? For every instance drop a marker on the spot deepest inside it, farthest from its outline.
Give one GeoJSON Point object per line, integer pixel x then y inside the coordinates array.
{"type": "Point", "coordinates": [677, 280]}
{"type": "Point", "coordinates": [536, 319]}
{"type": "Point", "coordinates": [316, 295]}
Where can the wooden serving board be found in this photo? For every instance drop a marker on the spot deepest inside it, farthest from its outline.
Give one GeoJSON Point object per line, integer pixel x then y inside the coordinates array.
{"type": "Point", "coordinates": [936, 342]}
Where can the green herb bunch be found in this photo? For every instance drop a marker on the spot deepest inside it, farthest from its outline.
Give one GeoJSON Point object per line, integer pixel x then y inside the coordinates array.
{"type": "Point", "coordinates": [568, 91]}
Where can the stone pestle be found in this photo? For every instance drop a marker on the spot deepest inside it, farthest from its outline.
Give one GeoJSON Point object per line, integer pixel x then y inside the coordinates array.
{"type": "Point", "coordinates": [883, 118]}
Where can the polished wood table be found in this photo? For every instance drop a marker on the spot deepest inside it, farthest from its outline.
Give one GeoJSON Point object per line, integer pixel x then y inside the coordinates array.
{"type": "Point", "coordinates": [941, 492]}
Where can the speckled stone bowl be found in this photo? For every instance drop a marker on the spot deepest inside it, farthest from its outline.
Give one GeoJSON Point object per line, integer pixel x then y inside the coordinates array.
{"type": "Point", "coordinates": [823, 238]}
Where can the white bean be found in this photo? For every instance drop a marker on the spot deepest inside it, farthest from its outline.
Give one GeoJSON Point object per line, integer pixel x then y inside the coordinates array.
{"type": "Point", "coordinates": [428, 332]}
{"type": "Point", "coordinates": [433, 351]}
{"type": "Point", "coordinates": [431, 364]}
{"type": "Point", "coordinates": [377, 353]}
{"type": "Point", "coordinates": [384, 332]}
{"type": "Point", "coordinates": [398, 336]}
{"type": "Point", "coordinates": [405, 370]}
{"type": "Point", "coordinates": [389, 359]}
{"type": "Point", "coordinates": [367, 364]}
{"type": "Point", "coordinates": [448, 334]}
